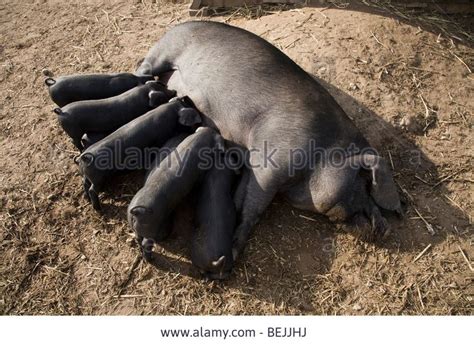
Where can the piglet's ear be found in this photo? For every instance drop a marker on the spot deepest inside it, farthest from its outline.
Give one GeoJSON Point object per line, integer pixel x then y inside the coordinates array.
{"type": "Point", "coordinates": [157, 98]}
{"type": "Point", "coordinates": [383, 189]}
{"type": "Point", "coordinates": [85, 159]}
{"type": "Point", "coordinates": [140, 211]}
{"type": "Point", "coordinates": [141, 214]}
{"type": "Point", "coordinates": [189, 117]}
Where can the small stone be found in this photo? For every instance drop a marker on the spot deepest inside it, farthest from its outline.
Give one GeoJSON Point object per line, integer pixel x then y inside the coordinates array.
{"type": "Point", "coordinates": [357, 307]}
{"type": "Point", "coordinates": [410, 124]}
{"type": "Point", "coordinates": [47, 73]}
{"type": "Point", "coordinates": [353, 86]}
{"type": "Point", "coordinates": [445, 136]}
{"type": "Point", "coordinates": [131, 241]}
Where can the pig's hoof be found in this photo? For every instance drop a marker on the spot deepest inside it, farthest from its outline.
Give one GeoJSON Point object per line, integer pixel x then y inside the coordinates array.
{"type": "Point", "coordinates": [238, 247]}
{"type": "Point", "coordinates": [237, 250]}
{"type": "Point", "coordinates": [235, 254]}
{"type": "Point", "coordinates": [86, 185]}
{"type": "Point", "coordinates": [381, 228]}
{"type": "Point", "coordinates": [94, 199]}
{"type": "Point", "coordinates": [148, 257]}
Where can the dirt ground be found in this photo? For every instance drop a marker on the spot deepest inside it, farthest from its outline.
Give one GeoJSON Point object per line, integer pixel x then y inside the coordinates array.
{"type": "Point", "coordinates": [408, 89]}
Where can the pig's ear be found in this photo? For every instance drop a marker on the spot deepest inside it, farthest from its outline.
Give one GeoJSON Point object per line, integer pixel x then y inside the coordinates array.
{"type": "Point", "coordinates": [189, 117]}
{"type": "Point", "coordinates": [85, 159]}
{"type": "Point", "coordinates": [49, 81]}
{"type": "Point", "coordinates": [157, 98]}
{"type": "Point", "coordinates": [383, 189]}
{"type": "Point", "coordinates": [141, 213]}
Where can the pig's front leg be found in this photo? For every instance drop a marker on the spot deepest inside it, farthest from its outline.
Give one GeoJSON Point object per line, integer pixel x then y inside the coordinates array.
{"type": "Point", "coordinates": [91, 193]}
{"type": "Point", "coordinates": [259, 192]}
{"type": "Point", "coordinates": [86, 184]}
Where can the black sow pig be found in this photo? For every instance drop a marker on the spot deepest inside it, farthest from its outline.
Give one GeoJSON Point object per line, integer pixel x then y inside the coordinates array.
{"type": "Point", "coordinates": [170, 183]}
{"type": "Point", "coordinates": [260, 99]}
{"type": "Point", "coordinates": [106, 115]}
{"type": "Point", "coordinates": [67, 89]}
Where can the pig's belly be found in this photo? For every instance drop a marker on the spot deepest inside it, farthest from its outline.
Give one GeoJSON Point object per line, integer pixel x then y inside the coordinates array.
{"type": "Point", "coordinates": [226, 120]}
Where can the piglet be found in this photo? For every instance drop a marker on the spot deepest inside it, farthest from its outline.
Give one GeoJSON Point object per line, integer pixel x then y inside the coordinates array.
{"type": "Point", "coordinates": [146, 245]}
{"type": "Point", "coordinates": [67, 89]}
{"type": "Point", "coordinates": [107, 115]}
{"type": "Point", "coordinates": [170, 183]}
{"type": "Point", "coordinates": [211, 250]}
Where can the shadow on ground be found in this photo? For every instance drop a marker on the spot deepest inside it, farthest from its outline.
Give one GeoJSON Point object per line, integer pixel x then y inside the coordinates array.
{"type": "Point", "coordinates": [456, 25]}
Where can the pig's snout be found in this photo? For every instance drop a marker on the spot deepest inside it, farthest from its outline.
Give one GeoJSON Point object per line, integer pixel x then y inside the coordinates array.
{"type": "Point", "coordinates": [147, 249]}
{"type": "Point", "coordinates": [49, 81]}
